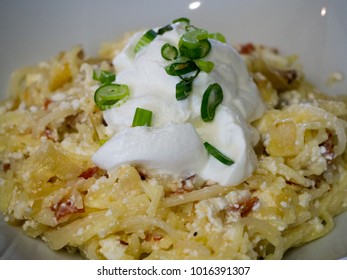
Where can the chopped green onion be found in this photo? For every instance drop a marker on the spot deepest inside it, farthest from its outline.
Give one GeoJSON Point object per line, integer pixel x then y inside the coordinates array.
{"type": "Point", "coordinates": [212, 97]}
{"type": "Point", "coordinates": [182, 19]}
{"type": "Point", "coordinates": [217, 154]}
{"type": "Point", "coordinates": [148, 37]}
{"type": "Point", "coordinates": [192, 38]}
{"type": "Point", "coordinates": [142, 117]}
{"type": "Point", "coordinates": [200, 50]}
{"type": "Point", "coordinates": [190, 28]}
{"type": "Point", "coordinates": [103, 76]}
{"type": "Point", "coordinates": [183, 88]}
{"type": "Point", "coordinates": [190, 76]}
{"type": "Point", "coordinates": [164, 29]}
{"type": "Point", "coordinates": [217, 36]}
{"type": "Point", "coordinates": [204, 65]}
{"type": "Point", "coordinates": [169, 52]}
{"type": "Point", "coordinates": [108, 95]}
{"type": "Point", "coordinates": [181, 68]}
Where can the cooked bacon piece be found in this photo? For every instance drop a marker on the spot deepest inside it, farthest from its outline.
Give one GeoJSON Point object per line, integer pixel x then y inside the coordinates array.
{"type": "Point", "coordinates": [327, 149]}
{"type": "Point", "coordinates": [247, 48]}
{"type": "Point", "coordinates": [245, 207]}
{"type": "Point", "coordinates": [46, 103]}
{"type": "Point", "coordinates": [65, 207]}
{"type": "Point", "coordinates": [248, 205]}
{"type": "Point", "coordinates": [90, 172]}
{"type": "Point", "coordinates": [6, 167]}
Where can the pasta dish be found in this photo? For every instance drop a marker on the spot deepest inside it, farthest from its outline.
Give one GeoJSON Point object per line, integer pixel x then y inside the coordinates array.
{"type": "Point", "coordinates": [75, 173]}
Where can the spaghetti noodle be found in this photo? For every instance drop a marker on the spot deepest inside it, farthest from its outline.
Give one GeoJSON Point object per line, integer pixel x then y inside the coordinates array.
{"type": "Point", "coordinates": [50, 127]}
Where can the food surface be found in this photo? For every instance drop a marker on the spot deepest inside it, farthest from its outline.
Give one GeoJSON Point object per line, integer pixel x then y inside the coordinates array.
{"type": "Point", "coordinates": [170, 147]}
{"type": "Point", "coordinates": [172, 144]}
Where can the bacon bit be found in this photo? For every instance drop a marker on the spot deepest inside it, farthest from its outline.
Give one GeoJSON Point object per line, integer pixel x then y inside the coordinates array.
{"type": "Point", "coordinates": [6, 167]}
{"type": "Point", "coordinates": [153, 236]}
{"type": "Point", "coordinates": [148, 237]}
{"type": "Point", "coordinates": [327, 149]}
{"type": "Point", "coordinates": [65, 207]}
{"type": "Point", "coordinates": [247, 48]}
{"type": "Point", "coordinates": [46, 103]}
{"type": "Point", "coordinates": [90, 172]}
{"type": "Point", "coordinates": [187, 185]}
{"type": "Point", "coordinates": [245, 207]}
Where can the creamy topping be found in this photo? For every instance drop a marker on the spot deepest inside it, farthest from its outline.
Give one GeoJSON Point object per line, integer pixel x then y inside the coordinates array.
{"type": "Point", "coordinates": [171, 147]}
{"type": "Point", "coordinates": [174, 143]}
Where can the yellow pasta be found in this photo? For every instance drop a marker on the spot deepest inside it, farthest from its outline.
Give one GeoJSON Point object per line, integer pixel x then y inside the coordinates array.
{"type": "Point", "coordinates": [50, 127]}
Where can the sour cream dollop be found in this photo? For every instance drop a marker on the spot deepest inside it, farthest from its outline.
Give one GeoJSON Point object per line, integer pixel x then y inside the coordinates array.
{"type": "Point", "coordinates": [173, 145]}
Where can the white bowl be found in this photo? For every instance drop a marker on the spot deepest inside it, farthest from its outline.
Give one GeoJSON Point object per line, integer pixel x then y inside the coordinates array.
{"type": "Point", "coordinates": [316, 30]}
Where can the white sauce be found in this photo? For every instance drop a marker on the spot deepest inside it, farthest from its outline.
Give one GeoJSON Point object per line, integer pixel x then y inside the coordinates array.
{"type": "Point", "coordinates": [174, 143]}
{"type": "Point", "coordinates": [171, 147]}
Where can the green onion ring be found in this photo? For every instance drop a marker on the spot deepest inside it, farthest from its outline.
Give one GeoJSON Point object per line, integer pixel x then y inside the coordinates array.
{"type": "Point", "coordinates": [182, 19]}
{"type": "Point", "coordinates": [181, 68]}
{"type": "Point", "coordinates": [201, 49]}
{"type": "Point", "coordinates": [190, 28]}
{"type": "Point", "coordinates": [190, 76]}
{"type": "Point", "coordinates": [212, 97]}
{"type": "Point", "coordinates": [108, 95]}
{"type": "Point", "coordinates": [169, 52]}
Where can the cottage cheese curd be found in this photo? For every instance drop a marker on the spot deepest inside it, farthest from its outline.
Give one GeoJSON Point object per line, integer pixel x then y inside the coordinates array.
{"type": "Point", "coordinates": [174, 143]}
